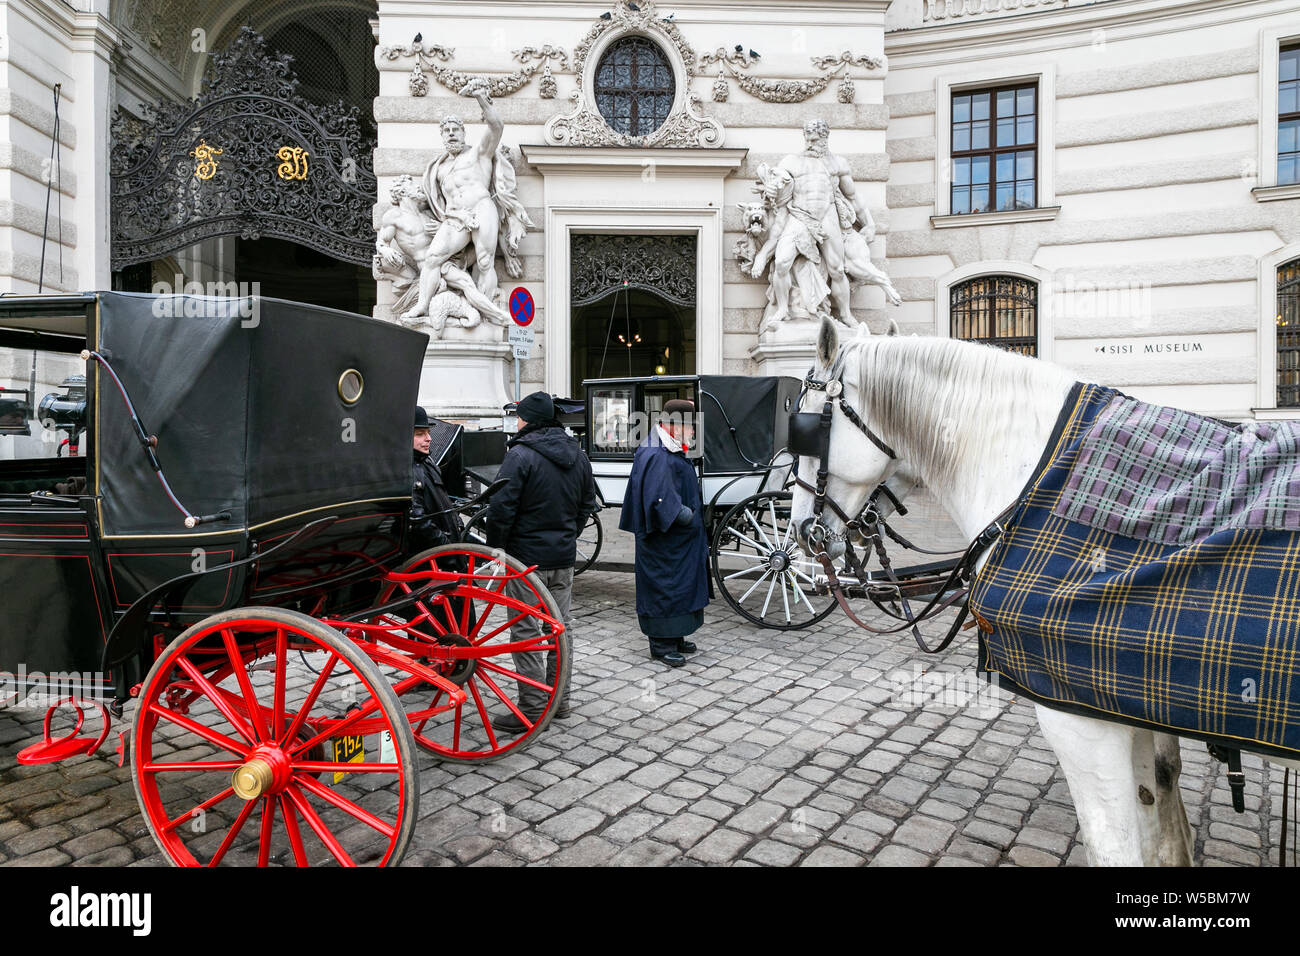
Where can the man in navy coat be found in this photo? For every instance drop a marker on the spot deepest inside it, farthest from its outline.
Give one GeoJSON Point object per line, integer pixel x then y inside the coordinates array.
{"type": "Point", "coordinates": [662, 508]}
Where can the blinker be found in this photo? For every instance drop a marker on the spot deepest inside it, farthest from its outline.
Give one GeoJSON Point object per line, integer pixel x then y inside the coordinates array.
{"type": "Point", "coordinates": [804, 434]}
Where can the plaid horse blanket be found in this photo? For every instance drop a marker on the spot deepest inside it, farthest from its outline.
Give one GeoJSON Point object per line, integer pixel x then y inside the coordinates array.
{"type": "Point", "coordinates": [1151, 574]}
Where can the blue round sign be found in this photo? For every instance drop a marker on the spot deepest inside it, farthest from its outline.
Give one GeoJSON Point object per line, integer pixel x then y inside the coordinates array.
{"type": "Point", "coordinates": [521, 306]}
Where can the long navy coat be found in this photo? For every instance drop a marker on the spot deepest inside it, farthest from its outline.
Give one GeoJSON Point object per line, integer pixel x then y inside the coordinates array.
{"type": "Point", "coordinates": [671, 560]}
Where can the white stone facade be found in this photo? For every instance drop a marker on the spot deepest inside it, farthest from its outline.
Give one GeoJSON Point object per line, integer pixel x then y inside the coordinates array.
{"type": "Point", "coordinates": [1155, 239]}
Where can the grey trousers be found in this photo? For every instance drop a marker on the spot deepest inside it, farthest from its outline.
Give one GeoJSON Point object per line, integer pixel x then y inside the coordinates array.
{"type": "Point", "coordinates": [559, 581]}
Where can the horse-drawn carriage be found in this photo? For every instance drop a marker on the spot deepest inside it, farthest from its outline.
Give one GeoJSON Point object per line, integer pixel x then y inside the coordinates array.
{"type": "Point", "coordinates": [227, 551]}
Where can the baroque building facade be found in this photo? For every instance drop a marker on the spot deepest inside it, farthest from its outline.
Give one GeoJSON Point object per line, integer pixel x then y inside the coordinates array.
{"type": "Point", "coordinates": [1114, 186]}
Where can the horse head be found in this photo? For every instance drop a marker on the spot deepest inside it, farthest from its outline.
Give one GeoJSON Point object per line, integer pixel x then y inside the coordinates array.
{"type": "Point", "coordinates": [852, 455]}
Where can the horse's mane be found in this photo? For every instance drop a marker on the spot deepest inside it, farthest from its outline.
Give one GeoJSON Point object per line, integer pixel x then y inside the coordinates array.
{"type": "Point", "coordinates": [942, 400]}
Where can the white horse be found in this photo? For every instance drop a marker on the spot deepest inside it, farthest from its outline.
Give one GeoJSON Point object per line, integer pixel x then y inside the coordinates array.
{"type": "Point", "coordinates": [970, 422]}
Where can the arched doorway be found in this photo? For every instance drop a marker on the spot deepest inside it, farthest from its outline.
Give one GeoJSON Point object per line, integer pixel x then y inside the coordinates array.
{"type": "Point", "coordinates": [632, 305]}
{"type": "Point", "coordinates": [286, 102]}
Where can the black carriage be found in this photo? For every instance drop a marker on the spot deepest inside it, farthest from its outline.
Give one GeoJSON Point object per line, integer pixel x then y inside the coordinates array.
{"type": "Point", "coordinates": [744, 472]}
{"type": "Point", "coordinates": [210, 527]}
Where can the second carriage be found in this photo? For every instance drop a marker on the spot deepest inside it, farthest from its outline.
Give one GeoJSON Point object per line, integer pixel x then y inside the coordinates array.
{"type": "Point", "coordinates": [744, 471]}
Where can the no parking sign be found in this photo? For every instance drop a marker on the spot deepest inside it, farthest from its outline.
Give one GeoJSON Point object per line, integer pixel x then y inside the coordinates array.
{"type": "Point", "coordinates": [521, 306]}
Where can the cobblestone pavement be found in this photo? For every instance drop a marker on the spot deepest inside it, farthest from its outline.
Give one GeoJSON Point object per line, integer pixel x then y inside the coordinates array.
{"type": "Point", "coordinates": [768, 748]}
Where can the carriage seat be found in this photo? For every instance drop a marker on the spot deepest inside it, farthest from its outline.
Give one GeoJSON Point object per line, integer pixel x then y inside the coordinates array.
{"type": "Point", "coordinates": [60, 476]}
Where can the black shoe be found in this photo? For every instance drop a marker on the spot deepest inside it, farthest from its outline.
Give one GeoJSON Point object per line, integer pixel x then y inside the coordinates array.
{"type": "Point", "coordinates": [672, 659]}
{"type": "Point", "coordinates": [562, 712]}
{"type": "Point", "coordinates": [508, 723]}
{"type": "Point", "coordinates": [686, 647]}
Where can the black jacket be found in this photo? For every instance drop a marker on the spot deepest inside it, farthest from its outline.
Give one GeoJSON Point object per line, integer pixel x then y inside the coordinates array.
{"type": "Point", "coordinates": [429, 497]}
{"type": "Point", "coordinates": [550, 491]}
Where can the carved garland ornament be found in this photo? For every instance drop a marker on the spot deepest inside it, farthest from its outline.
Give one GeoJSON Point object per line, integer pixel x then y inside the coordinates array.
{"type": "Point", "coordinates": [535, 59]}
{"type": "Point", "coordinates": [785, 91]}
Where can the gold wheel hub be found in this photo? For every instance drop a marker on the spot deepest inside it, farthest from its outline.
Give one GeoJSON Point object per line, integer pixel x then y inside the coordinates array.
{"type": "Point", "coordinates": [252, 779]}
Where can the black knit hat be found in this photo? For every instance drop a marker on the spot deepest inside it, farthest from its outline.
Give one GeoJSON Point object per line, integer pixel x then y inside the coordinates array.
{"type": "Point", "coordinates": [537, 407]}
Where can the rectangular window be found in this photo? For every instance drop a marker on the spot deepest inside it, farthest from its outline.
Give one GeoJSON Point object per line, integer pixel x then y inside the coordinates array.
{"type": "Point", "coordinates": [1288, 115]}
{"type": "Point", "coordinates": [995, 149]}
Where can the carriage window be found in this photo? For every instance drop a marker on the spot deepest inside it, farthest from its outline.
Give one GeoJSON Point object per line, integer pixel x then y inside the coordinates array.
{"type": "Point", "coordinates": [42, 404]}
{"type": "Point", "coordinates": [996, 310]}
{"type": "Point", "coordinates": [634, 86]}
{"type": "Point", "coordinates": [610, 411]}
{"type": "Point", "coordinates": [994, 149]}
{"type": "Point", "coordinates": [1288, 335]}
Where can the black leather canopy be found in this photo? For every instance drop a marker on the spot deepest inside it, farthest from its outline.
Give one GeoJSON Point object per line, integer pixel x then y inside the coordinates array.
{"type": "Point", "coordinates": [244, 397]}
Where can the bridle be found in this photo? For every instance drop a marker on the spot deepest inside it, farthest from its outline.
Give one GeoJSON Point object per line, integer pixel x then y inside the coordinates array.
{"type": "Point", "coordinates": [809, 435]}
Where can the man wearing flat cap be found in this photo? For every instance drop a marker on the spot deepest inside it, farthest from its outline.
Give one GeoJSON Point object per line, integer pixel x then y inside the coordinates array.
{"type": "Point", "coordinates": [536, 517]}
{"type": "Point", "coordinates": [663, 509]}
{"type": "Point", "coordinates": [432, 521]}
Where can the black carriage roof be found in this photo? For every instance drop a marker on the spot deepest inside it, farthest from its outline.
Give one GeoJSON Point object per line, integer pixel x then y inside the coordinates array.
{"type": "Point", "coordinates": [245, 397]}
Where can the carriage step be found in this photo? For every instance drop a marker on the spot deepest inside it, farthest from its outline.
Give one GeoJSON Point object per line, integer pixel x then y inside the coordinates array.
{"type": "Point", "coordinates": [54, 749]}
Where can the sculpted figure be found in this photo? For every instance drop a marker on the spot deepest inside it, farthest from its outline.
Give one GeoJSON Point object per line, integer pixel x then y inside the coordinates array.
{"type": "Point", "coordinates": [470, 192]}
{"type": "Point", "coordinates": [406, 234]}
{"type": "Point", "coordinates": [819, 230]}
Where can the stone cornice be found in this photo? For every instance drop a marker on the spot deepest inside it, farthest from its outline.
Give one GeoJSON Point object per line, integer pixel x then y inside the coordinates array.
{"type": "Point", "coordinates": [1042, 29]}
{"type": "Point", "coordinates": [720, 162]}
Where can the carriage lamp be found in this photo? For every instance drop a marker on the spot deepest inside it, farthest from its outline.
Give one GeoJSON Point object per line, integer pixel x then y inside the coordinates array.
{"type": "Point", "coordinates": [660, 370]}
{"type": "Point", "coordinates": [67, 409]}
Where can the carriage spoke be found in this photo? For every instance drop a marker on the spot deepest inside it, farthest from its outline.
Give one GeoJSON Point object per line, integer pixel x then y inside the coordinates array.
{"type": "Point", "coordinates": [217, 698]}
{"type": "Point", "coordinates": [194, 727]}
{"type": "Point", "coordinates": [268, 823]}
{"type": "Point", "coordinates": [749, 541]}
{"type": "Point", "coordinates": [485, 664]}
{"type": "Point", "coordinates": [759, 528]}
{"type": "Point", "coordinates": [768, 599]}
{"type": "Point", "coordinates": [794, 584]}
{"type": "Point", "coordinates": [295, 837]}
{"type": "Point", "coordinates": [755, 585]}
{"type": "Point", "coordinates": [203, 807]}
{"type": "Point", "coordinates": [338, 729]}
{"type": "Point", "coordinates": [514, 709]}
{"type": "Point", "coordinates": [318, 826]}
{"type": "Point", "coordinates": [785, 598]}
{"type": "Point", "coordinates": [736, 574]}
{"type": "Point", "coordinates": [347, 806]}
{"type": "Point", "coordinates": [277, 705]}
{"type": "Point", "coordinates": [235, 827]}
{"type": "Point", "coordinates": [240, 669]}
{"type": "Point", "coordinates": [310, 702]}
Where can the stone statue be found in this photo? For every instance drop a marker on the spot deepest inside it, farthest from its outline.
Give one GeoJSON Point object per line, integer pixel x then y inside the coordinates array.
{"type": "Point", "coordinates": [406, 233]}
{"type": "Point", "coordinates": [467, 210]}
{"type": "Point", "coordinates": [813, 229]}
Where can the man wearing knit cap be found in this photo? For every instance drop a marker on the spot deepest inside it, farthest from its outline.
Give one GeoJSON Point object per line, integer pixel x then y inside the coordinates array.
{"type": "Point", "coordinates": [536, 517]}
{"type": "Point", "coordinates": [662, 508]}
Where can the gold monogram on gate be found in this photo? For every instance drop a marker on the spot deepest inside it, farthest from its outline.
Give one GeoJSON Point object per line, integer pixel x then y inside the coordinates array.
{"type": "Point", "coordinates": [207, 162]}
{"type": "Point", "coordinates": [295, 162]}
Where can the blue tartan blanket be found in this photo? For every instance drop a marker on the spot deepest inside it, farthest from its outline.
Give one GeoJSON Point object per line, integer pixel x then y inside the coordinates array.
{"type": "Point", "coordinates": [1151, 574]}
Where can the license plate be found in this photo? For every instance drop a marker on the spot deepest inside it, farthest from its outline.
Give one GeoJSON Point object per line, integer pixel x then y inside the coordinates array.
{"type": "Point", "coordinates": [348, 750]}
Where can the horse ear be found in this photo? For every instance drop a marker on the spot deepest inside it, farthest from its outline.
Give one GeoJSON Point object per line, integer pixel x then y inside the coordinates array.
{"type": "Point", "coordinates": [893, 328]}
{"type": "Point", "coordinates": [828, 343]}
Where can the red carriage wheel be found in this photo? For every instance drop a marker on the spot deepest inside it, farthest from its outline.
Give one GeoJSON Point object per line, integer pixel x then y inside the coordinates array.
{"type": "Point", "coordinates": [246, 752]}
{"type": "Point", "coordinates": [477, 637]}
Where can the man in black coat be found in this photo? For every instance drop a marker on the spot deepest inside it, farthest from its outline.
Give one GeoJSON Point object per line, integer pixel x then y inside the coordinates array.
{"type": "Point", "coordinates": [663, 508]}
{"type": "Point", "coordinates": [432, 522]}
{"type": "Point", "coordinates": [536, 517]}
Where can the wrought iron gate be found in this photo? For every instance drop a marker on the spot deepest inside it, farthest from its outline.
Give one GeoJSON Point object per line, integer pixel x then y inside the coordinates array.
{"type": "Point", "coordinates": [248, 157]}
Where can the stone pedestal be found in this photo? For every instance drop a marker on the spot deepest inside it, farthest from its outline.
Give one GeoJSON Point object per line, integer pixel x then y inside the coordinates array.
{"type": "Point", "coordinates": [464, 374]}
{"type": "Point", "coordinates": [789, 349]}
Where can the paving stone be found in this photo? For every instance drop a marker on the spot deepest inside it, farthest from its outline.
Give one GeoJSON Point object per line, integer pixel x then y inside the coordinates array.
{"type": "Point", "coordinates": [645, 853]}
{"type": "Point", "coordinates": [720, 846]}
{"type": "Point", "coordinates": [571, 824]}
{"type": "Point", "coordinates": [894, 855]}
{"type": "Point", "coordinates": [772, 853]}
{"type": "Point", "coordinates": [631, 826]}
{"type": "Point", "coordinates": [924, 834]}
{"type": "Point", "coordinates": [589, 851]}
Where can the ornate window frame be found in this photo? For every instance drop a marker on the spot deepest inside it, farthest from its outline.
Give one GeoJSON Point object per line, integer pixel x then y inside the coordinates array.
{"type": "Point", "coordinates": [1271, 41]}
{"type": "Point", "coordinates": [943, 286]}
{"type": "Point", "coordinates": [1044, 75]}
{"type": "Point", "coordinates": [681, 78]}
{"type": "Point", "coordinates": [1266, 303]}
